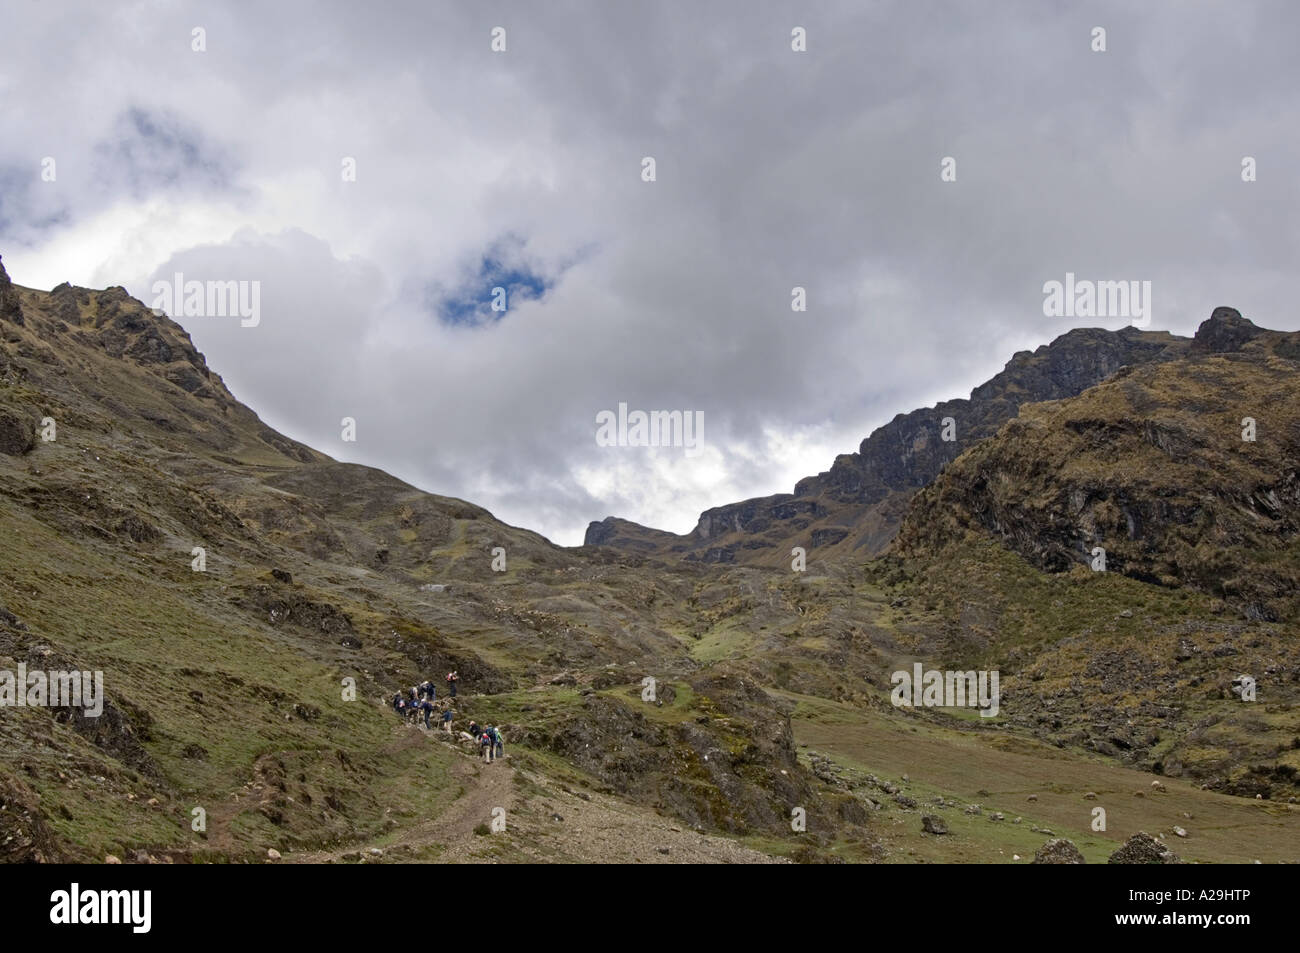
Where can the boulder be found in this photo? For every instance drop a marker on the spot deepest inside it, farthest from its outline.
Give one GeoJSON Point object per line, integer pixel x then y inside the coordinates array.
{"type": "Point", "coordinates": [17, 435]}
{"type": "Point", "coordinates": [933, 824]}
{"type": "Point", "coordinates": [1142, 848]}
{"type": "Point", "coordinates": [1059, 850]}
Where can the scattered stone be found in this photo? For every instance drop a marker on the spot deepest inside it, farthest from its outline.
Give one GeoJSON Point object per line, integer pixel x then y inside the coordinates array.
{"type": "Point", "coordinates": [110, 859]}
{"type": "Point", "coordinates": [1179, 831]}
{"type": "Point", "coordinates": [1090, 796]}
{"type": "Point", "coordinates": [1032, 797]}
{"type": "Point", "coordinates": [272, 853]}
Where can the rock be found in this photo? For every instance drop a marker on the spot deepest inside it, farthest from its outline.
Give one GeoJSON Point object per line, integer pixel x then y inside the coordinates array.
{"type": "Point", "coordinates": [17, 435]}
{"type": "Point", "coordinates": [1060, 850]}
{"type": "Point", "coordinates": [272, 853]}
{"type": "Point", "coordinates": [1157, 786]}
{"type": "Point", "coordinates": [1032, 797]}
{"type": "Point", "coordinates": [280, 575]}
{"type": "Point", "coordinates": [1225, 330]}
{"type": "Point", "coordinates": [1179, 831]}
{"type": "Point", "coordinates": [110, 859]}
{"type": "Point", "coordinates": [1090, 796]}
{"type": "Point", "coordinates": [933, 824]}
{"type": "Point", "coordinates": [996, 816]}
{"type": "Point", "coordinates": [1142, 848]}
{"type": "Point", "coordinates": [10, 310]}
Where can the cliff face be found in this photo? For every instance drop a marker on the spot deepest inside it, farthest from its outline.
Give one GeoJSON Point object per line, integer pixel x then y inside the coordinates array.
{"type": "Point", "coordinates": [1154, 467]}
{"type": "Point", "coordinates": [857, 505]}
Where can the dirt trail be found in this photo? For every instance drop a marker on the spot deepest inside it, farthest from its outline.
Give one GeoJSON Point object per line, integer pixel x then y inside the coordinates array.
{"type": "Point", "coordinates": [546, 822]}
{"type": "Point", "coordinates": [485, 787]}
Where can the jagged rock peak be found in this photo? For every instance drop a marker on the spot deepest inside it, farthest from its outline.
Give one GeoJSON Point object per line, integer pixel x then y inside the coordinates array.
{"type": "Point", "coordinates": [1225, 330]}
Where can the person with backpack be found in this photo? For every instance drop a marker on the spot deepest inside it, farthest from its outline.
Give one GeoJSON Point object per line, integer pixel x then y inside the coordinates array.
{"type": "Point", "coordinates": [446, 720]}
{"type": "Point", "coordinates": [485, 745]}
{"type": "Point", "coordinates": [452, 679]}
{"type": "Point", "coordinates": [498, 743]}
{"type": "Point", "coordinates": [426, 706]}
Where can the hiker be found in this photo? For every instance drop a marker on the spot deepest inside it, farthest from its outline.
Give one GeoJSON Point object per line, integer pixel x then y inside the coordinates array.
{"type": "Point", "coordinates": [474, 729]}
{"type": "Point", "coordinates": [397, 703]}
{"type": "Point", "coordinates": [498, 742]}
{"type": "Point", "coordinates": [452, 679]}
{"type": "Point", "coordinates": [426, 706]}
{"type": "Point", "coordinates": [485, 744]}
{"type": "Point", "coordinates": [446, 720]}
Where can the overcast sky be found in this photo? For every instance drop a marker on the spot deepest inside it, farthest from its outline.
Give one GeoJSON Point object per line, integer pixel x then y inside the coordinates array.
{"type": "Point", "coordinates": [523, 169]}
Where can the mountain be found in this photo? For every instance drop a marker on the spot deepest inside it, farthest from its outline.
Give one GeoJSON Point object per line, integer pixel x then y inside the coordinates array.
{"type": "Point", "coordinates": [1185, 476]}
{"type": "Point", "coordinates": [655, 710]}
{"type": "Point", "coordinates": [854, 509]}
{"type": "Point", "coordinates": [223, 687]}
{"type": "Point", "coordinates": [1186, 473]}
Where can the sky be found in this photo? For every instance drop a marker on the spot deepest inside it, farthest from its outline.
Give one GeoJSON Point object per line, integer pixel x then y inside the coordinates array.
{"type": "Point", "coordinates": [221, 144]}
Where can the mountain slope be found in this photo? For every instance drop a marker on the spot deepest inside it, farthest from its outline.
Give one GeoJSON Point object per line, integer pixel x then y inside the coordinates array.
{"type": "Point", "coordinates": [1152, 467]}
{"type": "Point", "coordinates": [315, 572]}
{"type": "Point", "coordinates": [227, 689]}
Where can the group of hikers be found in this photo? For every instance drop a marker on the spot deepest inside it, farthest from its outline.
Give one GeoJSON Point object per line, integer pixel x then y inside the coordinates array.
{"type": "Point", "coordinates": [421, 701]}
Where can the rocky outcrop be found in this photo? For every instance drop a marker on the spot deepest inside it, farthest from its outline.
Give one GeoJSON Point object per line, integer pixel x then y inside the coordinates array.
{"type": "Point", "coordinates": [10, 309]}
{"type": "Point", "coordinates": [17, 434]}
